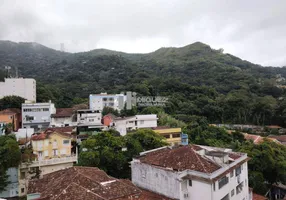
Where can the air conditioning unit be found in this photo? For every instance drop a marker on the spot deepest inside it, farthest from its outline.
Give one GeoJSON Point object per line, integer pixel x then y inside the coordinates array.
{"type": "Point", "coordinates": [186, 195]}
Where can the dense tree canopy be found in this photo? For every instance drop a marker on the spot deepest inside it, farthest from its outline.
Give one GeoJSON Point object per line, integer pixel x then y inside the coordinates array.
{"type": "Point", "coordinates": [10, 156]}
{"type": "Point", "coordinates": [11, 102]}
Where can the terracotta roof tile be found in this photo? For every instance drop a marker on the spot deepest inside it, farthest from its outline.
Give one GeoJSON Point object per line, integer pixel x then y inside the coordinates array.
{"type": "Point", "coordinates": [47, 133]}
{"type": "Point", "coordinates": [10, 111]}
{"type": "Point", "coordinates": [87, 183]}
{"type": "Point", "coordinates": [180, 158]}
{"type": "Point", "coordinates": [280, 138]}
{"type": "Point", "coordinates": [63, 112]}
{"type": "Point", "coordinates": [258, 197]}
{"type": "Point", "coordinates": [67, 129]}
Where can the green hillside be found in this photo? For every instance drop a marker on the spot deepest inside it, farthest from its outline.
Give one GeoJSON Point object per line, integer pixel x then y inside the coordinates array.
{"type": "Point", "coordinates": [198, 79]}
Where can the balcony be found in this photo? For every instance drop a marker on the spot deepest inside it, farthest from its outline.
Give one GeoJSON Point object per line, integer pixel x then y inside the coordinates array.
{"type": "Point", "coordinates": [53, 161]}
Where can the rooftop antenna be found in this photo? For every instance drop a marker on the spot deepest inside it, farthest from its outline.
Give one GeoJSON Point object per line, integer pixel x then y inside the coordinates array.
{"type": "Point", "coordinates": [17, 74]}
{"type": "Point", "coordinates": [7, 68]}
{"type": "Point", "coordinates": [62, 47]}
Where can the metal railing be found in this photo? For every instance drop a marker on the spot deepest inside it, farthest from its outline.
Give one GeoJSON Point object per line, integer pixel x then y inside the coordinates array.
{"type": "Point", "coordinates": [51, 161]}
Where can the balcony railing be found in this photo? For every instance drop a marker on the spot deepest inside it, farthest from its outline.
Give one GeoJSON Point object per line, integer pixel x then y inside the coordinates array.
{"type": "Point", "coordinates": [52, 161]}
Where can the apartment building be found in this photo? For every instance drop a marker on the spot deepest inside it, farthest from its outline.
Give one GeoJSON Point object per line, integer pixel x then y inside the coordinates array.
{"type": "Point", "coordinates": [172, 135]}
{"type": "Point", "coordinates": [52, 150]}
{"type": "Point", "coordinates": [123, 125]}
{"type": "Point", "coordinates": [11, 189]}
{"type": "Point", "coordinates": [23, 87]}
{"type": "Point", "coordinates": [99, 101]}
{"type": "Point", "coordinates": [37, 115]}
{"type": "Point", "coordinates": [193, 172]}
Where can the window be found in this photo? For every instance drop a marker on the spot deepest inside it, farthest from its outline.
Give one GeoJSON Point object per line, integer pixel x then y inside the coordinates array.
{"type": "Point", "coordinates": [141, 121]}
{"type": "Point", "coordinates": [156, 174]}
{"type": "Point", "coordinates": [238, 171]}
{"type": "Point", "coordinates": [104, 99]}
{"type": "Point", "coordinates": [239, 188]}
{"type": "Point", "coordinates": [91, 120]}
{"type": "Point", "coordinates": [177, 135]}
{"type": "Point", "coordinates": [167, 136]}
{"type": "Point", "coordinates": [46, 109]}
{"type": "Point", "coordinates": [40, 154]}
{"type": "Point", "coordinates": [23, 175]}
{"type": "Point", "coordinates": [143, 173]}
{"type": "Point", "coordinates": [111, 104]}
{"type": "Point", "coordinates": [55, 152]}
{"type": "Point", "coordinates": [226, 197]}
{"type": "Point", "coordinates": [66, 142]}
{"type": "Point", "coordinates": [231, 173]}
{"type": "Point", "coordinates": [22, 190]}
{"type": "Point", "coordinates": [223, 181]}
{"type": "Point", "coordinates": [29, 118]}
{"type": "Point", "coordinates": [232, 192]}
{"type": "Point", "coordinates": [190, 183]}
{"type": "Point", "coordinates": [214, 186]}
{"type": "Point", "coordinates": [111, 99]}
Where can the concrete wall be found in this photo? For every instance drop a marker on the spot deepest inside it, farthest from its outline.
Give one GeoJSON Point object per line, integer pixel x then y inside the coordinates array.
{"type": "Point", "coordinates": [96, 102]}
{"type": "Point", "coordinates": [155, 179]}
{"type": "Point", "coordinates": [12, 189]}
{"type": "Point", "coordinates": [62, 121]}
{"type": "Point", "coordinates": [22, 87]}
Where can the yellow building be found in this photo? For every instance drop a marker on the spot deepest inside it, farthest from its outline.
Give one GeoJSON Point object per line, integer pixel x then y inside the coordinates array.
{"type": "Point", "coordinates": [172, 135]}
{"type": "Point", "coordinates": [52, 144]}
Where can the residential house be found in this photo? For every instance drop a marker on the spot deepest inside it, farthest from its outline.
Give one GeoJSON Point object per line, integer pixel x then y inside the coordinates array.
{"type": "Point", "coordinates": [108, 120]}
{"type": "Point", "coordinates": [99, 101]}
{"type": "Point", "coordinates": [63, 117]}
{"type": "Point", "coordinates": [172, 135]}
{"type": "Point", "coordinates": [11, 116]}
{"type": "Point", "coordinates": [123, 125]}
{"type": "Point", "coordinates": [12, 189]}
{"type": "Point", "coordinates": [53, 152]}
{"type": "Point", "coordinates": [277, 191]}
{"type": "Point", "coordinates": [193, 172]}
{"type": "Point", "coordinates": [86, 183]}
{"type": "Point", "coordinates": [37, 115]}
{"type": "Point", "coordinates": [89, 120]}
{"type": "Point", "coordinates": [23, 87]}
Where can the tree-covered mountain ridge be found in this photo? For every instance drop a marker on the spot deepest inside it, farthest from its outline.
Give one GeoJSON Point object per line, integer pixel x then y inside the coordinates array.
{"type": "Point", "coordinates": [198, 79]}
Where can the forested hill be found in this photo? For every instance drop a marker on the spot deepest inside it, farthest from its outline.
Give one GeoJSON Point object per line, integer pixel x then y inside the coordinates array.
{"type": "Point", "coordinates": [198, 79]}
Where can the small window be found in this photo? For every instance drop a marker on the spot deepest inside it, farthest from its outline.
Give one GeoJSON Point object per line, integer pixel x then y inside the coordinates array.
{"type": "Point", "coordinates": [91, 120]}
{"type": "Point", "coordinates": [23, 175]}
{"type": "Point", "coordinates": [22, 190]}
{"type": "Point", "coordinates": [143, 173]}
{"type": "Point", "coordinates": [104, 99]}
{"type": "Point", "coordinates": [231, 173]}
{"type": "Point", "coordinates": [177, 135]}
{"type": "Point", "coordinates": [111, 99]}
{"type": "Point", "coordinates": [190, 183]}
{"type": "Point", "coordinates": [29, 118]}
{"type": "Point", "coordinates": [238, 171]}
{"type": "Point", "coordinates": [226, 197]}
{"type": "Point", "coordinates": [214, 186]}
{"type": "Point", "coordinates": [141, 121]}
{"type": "Point", "coordinates": [46, 109]}
{"type": "Point", "coordinates": [232, 192]}
{"type": "Point", "coordinates": [66, 142]}
{"type": "Point", "coordinates": [167, 136]}
{"type": "Point", "coordinates": [223, 181]}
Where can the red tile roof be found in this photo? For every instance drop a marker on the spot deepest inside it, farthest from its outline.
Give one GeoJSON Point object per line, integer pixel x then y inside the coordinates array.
{"type": "Point", "coordinates": [10, 111]}
{"type": "Point", "coordinates": [180, 158]}
{"type": "Point", "coordinates": [258, 197]}
{"type": "Point", "coordinates": [67, 129]}
{"type": "Point", "coordinates": [47, 133]}
{"type": "Point", "coordinates": [274, 127]}
{"type": "Point", "coordinates": [90, 183]}
{"type": "Point", "coordinates": [63, 112]}
{"type": "Point", "coordinates": [255, 138]}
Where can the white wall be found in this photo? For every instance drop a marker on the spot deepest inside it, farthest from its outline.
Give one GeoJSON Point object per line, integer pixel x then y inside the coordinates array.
{"type": "Point", "coordinates": [120, 126]}
{"type": "Point", "coordinates": [62, 121]}
{"type": "Point", "coordinates": [22, 87]}
{"type": "Point", "coordinates": [157, 180]}
{"type": "Point", "coordinates": [41, 117]}
{"type": "Point", "coordinates": [89, 118]}
{"type": "Point", "coordinates": [96, 101]}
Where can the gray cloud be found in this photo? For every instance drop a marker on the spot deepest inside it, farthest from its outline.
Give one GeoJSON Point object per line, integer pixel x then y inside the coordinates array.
{"type": "Point", "coordinates": [253, 30]}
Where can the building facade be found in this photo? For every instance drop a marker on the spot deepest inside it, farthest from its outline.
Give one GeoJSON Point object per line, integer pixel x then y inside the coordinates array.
{"type": "Point", "coordinates": [37, 115]}
{"type": "Point", "coordinates": [63, 117]}
{"type": "Point", "coordinates": [123, 125]}
{"type": "Point", "coordinates": [12, 189]}
{"type": "Point", "coordinates": [23, 87]}
{"type": "Point", "coordinates": [11, 116]}
{"type": "Point", "coordinates": [172, 135]}
{"type": "Point", "coordinates": [193, 172]}
{"type": "Point", "coordinates": [99, 101]}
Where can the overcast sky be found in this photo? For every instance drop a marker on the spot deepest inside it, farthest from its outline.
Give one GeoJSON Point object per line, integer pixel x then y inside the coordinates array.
{"type": "Point", "coordinates": [254, 30]}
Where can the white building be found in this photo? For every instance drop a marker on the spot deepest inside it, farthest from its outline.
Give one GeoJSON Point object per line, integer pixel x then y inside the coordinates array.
{"type": "Point", "coordinates": [63, 117]}
{"type": "Point", "coordinates": [37, 115]}
{"type": "Point", "coordinates": [99, 101]}
{"type": "Point", "coordinates": [193, 172]}
{"type": "Point", "coordinates": [89, 118]}
{"type": "Point", "coordinates": [23, 87]}
{"type": "Point", "coordinates": [123, 125]}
